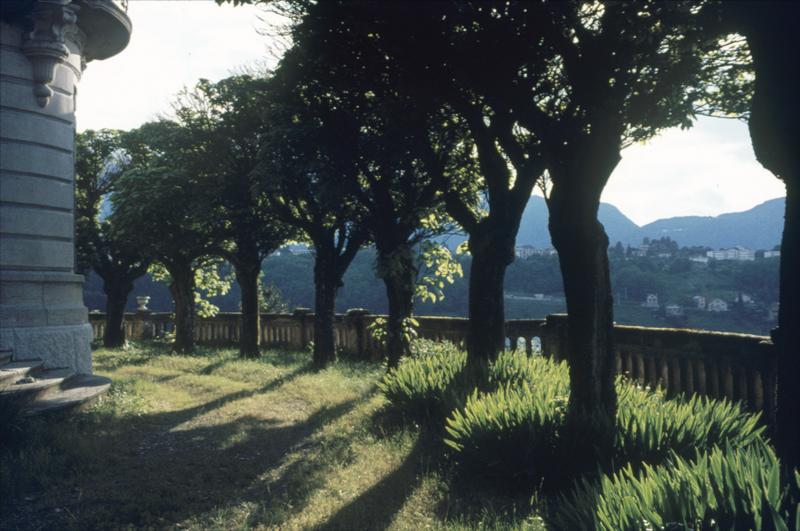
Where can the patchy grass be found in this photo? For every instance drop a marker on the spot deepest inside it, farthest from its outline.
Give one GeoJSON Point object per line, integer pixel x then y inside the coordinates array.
{"type": "Point", "coordinates": [212, 441]}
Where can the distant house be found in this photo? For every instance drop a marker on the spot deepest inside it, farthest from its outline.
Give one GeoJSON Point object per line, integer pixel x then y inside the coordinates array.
{"type": "Point", "coordinates": [717, 305]}
{"type": "Point", "coordinates": [700, 259]}
{"type": "Point", "coordinates": [524, 251]}
{"type": "Point", "coordinates": [699, 302]}
{"type": "Point", "coordinates": [673, 310]}
{"type": "Point", "coordinates": [744, 298]}
{"type": "Point", "coordinates": [734, 253]}
{"type": "Point", "coordinates": [640, 251]}
{"type": "Point", "coordinates": [296, 249]}
{"type": "Point", "coordinates": [651, 301]}
{"type": "Point", "coordinates": [772, 254]}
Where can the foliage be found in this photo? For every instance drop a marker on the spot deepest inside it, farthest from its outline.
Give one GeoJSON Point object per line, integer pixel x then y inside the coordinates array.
{"type": "Point", "coordinates": [650, 427]}
{"type": "Point", "coordinates": [162, 206]}
{"type": "Point", "coordinates": [210, 280]}
{"type": "Point", "coordinates": [378, 328]}
{"type": "Point", "coordinates": [514, 430]}
{"type": "Point", "coordinates": [439, 269]}
{"type": "Point", "coordinates": [515, 368]}
{"type": "Point", "coordinates": [272, 299]}
{"type": "Point", "coordinates": [511, 432]}
{"type": "Point", "coordinates": [726, 488]}
{"type": "Point", "coordinates": [99, 160]}
{"type": "Point", "coordinates": [226, 121]}
{"type": "Point", "coordinates": [424, 387]}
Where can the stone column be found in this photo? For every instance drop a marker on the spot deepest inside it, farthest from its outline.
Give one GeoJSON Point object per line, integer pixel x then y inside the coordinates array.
{"type": "Point", "coordinates": [44, 46]}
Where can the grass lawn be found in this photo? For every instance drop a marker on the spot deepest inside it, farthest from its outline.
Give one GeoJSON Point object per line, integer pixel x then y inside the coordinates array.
{"type": "Point", "coordinates": [210, 441]}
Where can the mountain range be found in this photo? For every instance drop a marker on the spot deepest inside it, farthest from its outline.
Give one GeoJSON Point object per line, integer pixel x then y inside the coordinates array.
{"type": "Point", "coordinates": [758, 228]}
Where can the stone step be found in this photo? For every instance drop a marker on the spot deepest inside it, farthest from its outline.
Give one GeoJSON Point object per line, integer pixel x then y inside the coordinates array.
{"type": "Point", "coordinates": [35, 385]}
{"type": "Point", "coordinates": [77, 392]}
{"type": "Point", "coordinates": [14, 370]}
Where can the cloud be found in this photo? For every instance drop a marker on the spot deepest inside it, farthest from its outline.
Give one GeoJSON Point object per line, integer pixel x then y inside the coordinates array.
{"type": "Point", "coordinates": [173, 44]}
{"type": "Point", "coordinates": [705, 171]}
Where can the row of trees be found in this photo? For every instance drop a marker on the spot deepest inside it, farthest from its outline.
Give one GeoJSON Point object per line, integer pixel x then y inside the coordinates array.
{"type": "Point", "coordinates": [383, 118]}
{"type": "Point", "coordinates": [502, 95]}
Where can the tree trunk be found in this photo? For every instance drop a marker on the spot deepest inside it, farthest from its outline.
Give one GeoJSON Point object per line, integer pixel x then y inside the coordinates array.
{"type": "Point", "coordinates": [491, 255]}
{"type": "Point", "coordinates": [182, 290]}
{"type": "Point", "coordinates": [399, 274]}
{"type": "Point", "coordinates": [787, 336]}
{"type": "Point", "coordinates": [774, 128]}
{"type": "Point", "coordinates": [582, 246]}
{"type": "Point", "coordinates": [116, 298]}
{"type": "Point", "coordinates": [326, 284]}
{"type": "Point", "coordinates": [250, 336]}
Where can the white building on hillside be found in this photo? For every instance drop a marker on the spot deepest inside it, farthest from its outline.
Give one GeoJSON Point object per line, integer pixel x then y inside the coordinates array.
{"type": "Point", "coordinates": [524, 251]}
{"type": "Point", "coordinates": [734, 253]}
{"type": "Point", "coordinates": [717, 305]}
{"type": "Point", "coordinates": [772, 254]}
{"type": "Point", "coordinates": [651, 301]}
{"type": "Point", "coordinates": [699, 302]}
{"type": "Point", "coordinates": [673, 310]}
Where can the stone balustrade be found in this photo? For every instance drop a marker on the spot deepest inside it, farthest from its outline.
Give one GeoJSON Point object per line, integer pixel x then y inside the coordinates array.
{"type": "Point", "coordinates": [717, 364]}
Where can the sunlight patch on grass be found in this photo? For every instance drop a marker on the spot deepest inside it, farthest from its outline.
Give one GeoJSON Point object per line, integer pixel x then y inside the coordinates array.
{"type": "Point", "coordinates": [211, 441]}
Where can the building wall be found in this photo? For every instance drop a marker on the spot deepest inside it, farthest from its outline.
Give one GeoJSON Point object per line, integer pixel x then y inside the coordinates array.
{"type": "Point", "coordinates": [41, 304]}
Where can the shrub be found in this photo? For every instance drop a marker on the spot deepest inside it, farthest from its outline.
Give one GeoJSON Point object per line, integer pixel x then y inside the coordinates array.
{"type": "Point", "coordinates": [511, 432]}
{"type": "Point", "coordinates": [723, 489]}
{"type": "Point", "coordinates": [516, 368]}
{"type": "Point", "coordinates": [514, 430]}
{"type": "Point", "coordinates": [650, 427]}
{"type": "Point", "coordinates": [423, 387]}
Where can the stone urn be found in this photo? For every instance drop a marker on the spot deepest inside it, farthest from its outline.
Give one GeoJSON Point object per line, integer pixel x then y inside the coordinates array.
{"type": "Point", "coordinates": [142, 302]}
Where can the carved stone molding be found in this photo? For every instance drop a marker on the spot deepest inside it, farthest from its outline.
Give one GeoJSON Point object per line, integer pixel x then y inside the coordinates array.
{"type": "Point", "coordinates": [45, 45]}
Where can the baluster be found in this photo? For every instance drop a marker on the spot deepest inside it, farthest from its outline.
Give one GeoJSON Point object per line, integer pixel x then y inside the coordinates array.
{"type": "Point", "coordinates": [617, 362]}
{"type": "Point", "coordinates": [756, 390]}
{"type": "Point", "coordinates": [700, 377]}
{"type": "Point", "coordinates": [768, 378]}
{"type": "Point", "coordinates": [741, 384]}
{"type": "Point", "coordinates": [650, 372]}
{"type": "Point", "coordinates": [727, 382]}
{"type": "Point", "coordinates": [688, 375]}
{"type": "Point", "coordinates": [663, 371]}
{"type": "Point", "coordinates": [639, 364]}
{"type": "Point", "coordinates": [626, 356]}
{"type": "Point", "coordinates": [713, 380]}
{"type": "Point", "coordinates": [676, 377]}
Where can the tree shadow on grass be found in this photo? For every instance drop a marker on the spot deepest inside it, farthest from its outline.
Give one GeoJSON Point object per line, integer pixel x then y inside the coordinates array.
{"type": "Point", "coordinates": [159, 470]}
{"type": "Point", "coordinates": [376, 507]}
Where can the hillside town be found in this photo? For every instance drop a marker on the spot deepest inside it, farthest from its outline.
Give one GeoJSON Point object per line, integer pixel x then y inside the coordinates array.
{"type": "Point", "coordinates": [679, 307]}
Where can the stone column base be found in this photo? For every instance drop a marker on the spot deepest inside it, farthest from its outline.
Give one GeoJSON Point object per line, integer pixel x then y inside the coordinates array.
{"type": "Point", "coordinates": [42, 316]}
{"type": "Point", "coordinates": [58, 346]}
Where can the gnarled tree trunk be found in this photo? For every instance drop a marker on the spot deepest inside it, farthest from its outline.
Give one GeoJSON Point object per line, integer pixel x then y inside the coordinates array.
{"type": "Point", "coordinates": [774, 129]}
{"type": "Point", "coordinates": [326, 283]}
{"type": "Point", "coordinates": [787, 335]}
{"type": "Point", "coordinates": [250, 334]}
{"type": "Point", "coordinates": [117, 292]}
{"type": "Point", "coordinates": [182, 290]}
{"type": "Point", "coordinates": [399, 274]}
{"type": "Point", "coordinates": [582, 246]}
{"type": "Point", "coordinates": [492, 252]}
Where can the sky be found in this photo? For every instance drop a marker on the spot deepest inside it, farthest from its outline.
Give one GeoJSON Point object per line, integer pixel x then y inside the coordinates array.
{"type": "Point", "coordinates": [705, 171]}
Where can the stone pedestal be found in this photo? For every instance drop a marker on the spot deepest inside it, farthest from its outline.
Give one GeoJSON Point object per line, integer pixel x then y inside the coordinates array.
{"type": "Point", "coordinates": [44, 47]}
